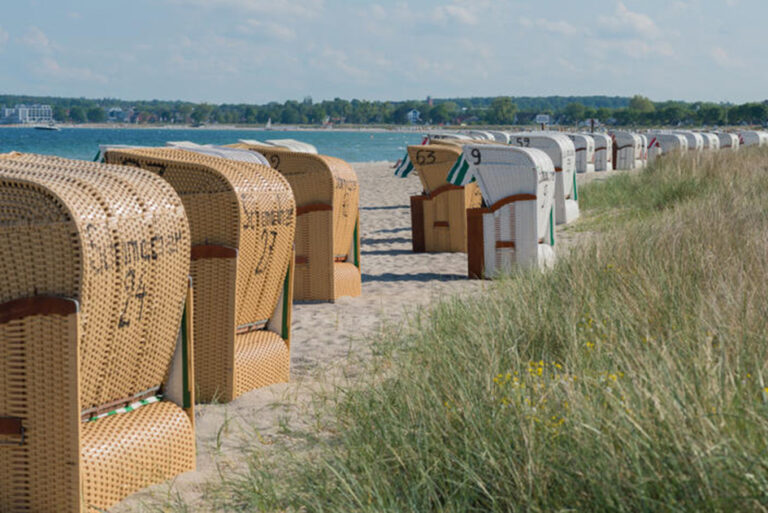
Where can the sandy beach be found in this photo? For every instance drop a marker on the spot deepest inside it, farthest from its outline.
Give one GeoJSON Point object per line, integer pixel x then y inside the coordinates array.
{"type": "Point", "coordinates": [327, 336]}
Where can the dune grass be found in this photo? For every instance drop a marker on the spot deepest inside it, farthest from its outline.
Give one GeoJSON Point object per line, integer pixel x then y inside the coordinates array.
{"type": "Point", "coordinates": [631, 377]}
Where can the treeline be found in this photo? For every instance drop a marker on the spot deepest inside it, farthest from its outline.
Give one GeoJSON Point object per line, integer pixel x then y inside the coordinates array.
{"type": "Point", "coordinates": [503, 110]}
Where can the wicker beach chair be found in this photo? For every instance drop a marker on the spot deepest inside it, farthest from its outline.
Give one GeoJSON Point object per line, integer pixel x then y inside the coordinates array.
{"type": "Point", "coordinates": [439, 214]}
{"type": "Point", "coordinates": [97, 396]}
{"type": "Point", "coordinates": [516, 228]}
{"type": "Point", "coordinates": [242, 219]}
{"type": "Point", "coordinates": [327, 222]}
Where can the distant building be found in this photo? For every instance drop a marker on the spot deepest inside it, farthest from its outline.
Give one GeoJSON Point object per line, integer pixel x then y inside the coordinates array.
{"type": "Point", "coordinates": [21, 114]}
{"type": "Point", "coordinates": [413, 116]}
{"type": "Point", "coordinates": [116, 115]}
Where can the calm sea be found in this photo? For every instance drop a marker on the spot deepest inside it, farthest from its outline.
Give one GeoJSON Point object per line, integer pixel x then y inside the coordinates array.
{"type": "Point", "coordinates": [83, 143]}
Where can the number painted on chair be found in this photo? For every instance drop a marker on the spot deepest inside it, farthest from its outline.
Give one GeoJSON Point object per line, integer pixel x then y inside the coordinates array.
{"type": "Point", "coordinates": [425, 157]}
{"type": "Point", "coordinates": [476, 155]}
{"type": "Point", "coordinates": [268, 238]}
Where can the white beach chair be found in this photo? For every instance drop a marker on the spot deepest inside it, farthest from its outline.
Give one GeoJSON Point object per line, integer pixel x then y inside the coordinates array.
{"type": "Point", "coordinates": [728, 141]}
{"type": "Point", "coordinates": [711, 141]}
{"type": "Point", "coordinates": [664, 143]}
{"type": "Point", "coordinates": [603, 152]}
{"type": "Point", "coordinates": [627, 150]}
{"type": "Point", "coordinates": [516, 227]}
{"type": "Point", "coordinates": [695, 140]}
{"type": "Point", "coordinates": [563, 154]}
{"type": "Point", "coordinates": [585, 152]}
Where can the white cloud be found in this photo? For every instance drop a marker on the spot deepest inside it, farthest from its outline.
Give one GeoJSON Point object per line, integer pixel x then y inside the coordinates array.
{"type": "Point", "coordinates": [457, 13]}
{"type": "Point", "coordinates": [641, 24]}
{"type": "Point", "coordinates": [36, 39]}
{"type": "Point", "coordinates": [299, 8]}
{"type": "Point", "coordinates": [332, 58]}
{"type": "Point", "coordinates": [272, 29]}
{"type": "Point", "coordinates": [724, 59]}
{"type": "Point", "coordinates": [50, 67]}
{"type": "Point", "coordinates": [560, 27]}
{"type": "Point", "coordinates": [626, 23]}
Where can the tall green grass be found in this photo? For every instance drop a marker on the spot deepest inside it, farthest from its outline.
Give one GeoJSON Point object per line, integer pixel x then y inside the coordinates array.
{"type": "Point", "coordinates": [631, 377]}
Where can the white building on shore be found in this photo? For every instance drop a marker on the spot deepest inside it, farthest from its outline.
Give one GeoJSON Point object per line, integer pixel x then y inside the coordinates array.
{"type": "Point", "coordinates": [22, 114]}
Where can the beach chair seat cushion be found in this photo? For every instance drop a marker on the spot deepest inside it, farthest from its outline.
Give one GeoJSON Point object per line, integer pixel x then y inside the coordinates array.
{"type": "Point", "coordinates": [123, 453]}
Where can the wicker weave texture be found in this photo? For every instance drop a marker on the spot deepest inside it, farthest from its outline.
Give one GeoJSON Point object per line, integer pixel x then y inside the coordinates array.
{"type": "Point", "coordinates": [115, 241]}
{"type": "Point", "coordinates": [444, 205]}
{"type": "Point", "coordinates": [244, 207]}
{"type": "Point", "coordinates": [133, 236]}
{"type": "Point", "coordinates": [124, 453]}
{"type": "Point", "coordinates": [433, 162]}
{"type": "Point", "coordinates": [40, 476]}
{"type": "Point", "coordinates": [214, 288]}
{"type": "Point", "coordinates": [262, 359]}
{"type": "Point", "coordinates": [327, 200]}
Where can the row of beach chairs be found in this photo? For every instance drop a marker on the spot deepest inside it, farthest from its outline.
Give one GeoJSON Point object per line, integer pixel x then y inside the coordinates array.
{"type": "Point", "coordinates": [136, 287]}
{"type": "Point", "coordinates": [498, 195]}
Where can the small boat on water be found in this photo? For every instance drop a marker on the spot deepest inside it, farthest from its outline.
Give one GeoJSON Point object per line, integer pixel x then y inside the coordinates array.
{"type": "Point", "coordinates": [49, 126]}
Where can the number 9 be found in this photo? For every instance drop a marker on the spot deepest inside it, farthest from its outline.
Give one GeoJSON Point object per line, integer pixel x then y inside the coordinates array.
{"type": "Point", "coordinates": [476, 154]}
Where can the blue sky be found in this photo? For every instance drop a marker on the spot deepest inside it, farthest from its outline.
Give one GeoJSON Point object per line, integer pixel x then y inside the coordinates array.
{"type": "Point", "coordinates": [255, 51]}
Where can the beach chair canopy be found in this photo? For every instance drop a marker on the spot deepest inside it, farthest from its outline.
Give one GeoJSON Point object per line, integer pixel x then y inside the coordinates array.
{"type": "Point", "coordinates": [438, 215]}
{"type": "Point", "coordinates": [664, 143]}
{"type": "Point", "coordinates": [710, 141]}
{"type": "Point", "coordinates": [242, 220]}
{"type": "Point", "coordinates": [220, 151]}
{"type": "Point", "coordinates": [753, 138]}
{"type": "Point", "coordinates": [499, 137]}
{"type": "Point", "coordinates": [728, 140]}
{"type": "Point", "coordinates": [603, 151]}
{"type": "Point", "coordinates": [438, 136]}
{"type": "Point", "coordinates": [585, 152]}
{"type": "Point", "coordinates": [95, 260]}
{"type": "Point", "coordinates": [695, 139]}
{"type": "Point", "coordinates": [628, 150]}
{"type": "Point", "coordinates": [560, 149]}
{"type": "Point", "coordinates": [327, 195]}
{"type": "Point", "coordinates": [517, 225]}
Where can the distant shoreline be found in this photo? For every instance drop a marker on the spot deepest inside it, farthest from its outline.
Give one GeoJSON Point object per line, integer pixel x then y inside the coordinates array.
{"type": "Point", "coordinates": [277, 129]}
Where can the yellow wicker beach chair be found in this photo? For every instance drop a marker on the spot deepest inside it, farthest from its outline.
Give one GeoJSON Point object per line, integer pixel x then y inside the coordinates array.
{"type": "Point", "coordinates": [96, 382]}
{"type": "Point", "coordinates": [439, 215]}
{"type": "Point", "coordinates": [327, 224]}
{"type": "Point", "coordinates": [242, 219]}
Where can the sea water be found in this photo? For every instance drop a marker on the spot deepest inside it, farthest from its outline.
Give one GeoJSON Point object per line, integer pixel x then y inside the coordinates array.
{"type": "Point", "coordinates": [83, 143]}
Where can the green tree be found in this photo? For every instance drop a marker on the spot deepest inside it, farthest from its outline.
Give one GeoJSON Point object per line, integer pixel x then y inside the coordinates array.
{"type": "Point", "coordinates": [641, 104]}
{"type": "Point", "coordinates": [201, 113]}
{"type": "Point", "coordinates": [77, 114]}
{"type": "Point", "coordinates": [96, 115]}
{"type": "Point", "coordinates": [575, 112]}
{"type": "Point", "coordinates": [60, 113]}
{"type": "Point", "coordinates": [444, 112]}
{"type": "Point", "coordinates": [758, 112]}
{"type": "Point", "coordinates": [183, 111]}
{"type": "Point", "coordinates": [672, 114]}
{"type": "Point", "coordinates": [603, 114]}
{"type": "Point", "coordinates": [711, 114]}
{"type": "Point", "coordinates": [502, 111]}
